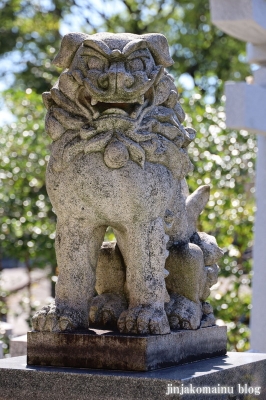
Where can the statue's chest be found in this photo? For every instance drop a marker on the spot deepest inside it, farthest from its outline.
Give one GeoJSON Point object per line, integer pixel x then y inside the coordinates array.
{"type": "Point", "coordinates": [88, 180]}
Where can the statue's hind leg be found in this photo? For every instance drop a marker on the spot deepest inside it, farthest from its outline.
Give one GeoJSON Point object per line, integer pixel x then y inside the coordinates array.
{"type": "Point", "coordinates": [77, 247]}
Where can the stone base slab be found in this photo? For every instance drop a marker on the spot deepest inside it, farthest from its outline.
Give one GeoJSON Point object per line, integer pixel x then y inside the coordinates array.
{"type": "Point", "coordinates": [237, 373]}
{"type": "Point", "coordinates": [18, 346]}
{"type": "Point", "coordinates": [109, 350]}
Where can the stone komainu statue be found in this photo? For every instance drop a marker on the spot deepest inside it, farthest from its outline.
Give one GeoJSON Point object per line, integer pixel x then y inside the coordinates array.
{"type": "Point", "coordinates": [119, 159]}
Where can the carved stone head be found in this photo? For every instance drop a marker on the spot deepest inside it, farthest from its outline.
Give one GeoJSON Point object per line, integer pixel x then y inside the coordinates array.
{"type": "Point", "coordinates": [116, 67]}
{"type": "Point", "coordinates": [116, 97]}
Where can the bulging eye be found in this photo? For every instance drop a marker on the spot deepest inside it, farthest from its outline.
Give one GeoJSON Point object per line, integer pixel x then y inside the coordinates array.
{"type": "Point", "coordinates": [96, 63]}
{"type": "Point", "coordinates": [136, 65]}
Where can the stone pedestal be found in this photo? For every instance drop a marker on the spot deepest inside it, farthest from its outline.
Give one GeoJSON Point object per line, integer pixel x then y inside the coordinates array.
{"type": "Point", "coordinates": [18, 346]}
{"type": "Point", "coordinates": [109, 350]}
{"type": "Point", "coordinates": [234, 376]}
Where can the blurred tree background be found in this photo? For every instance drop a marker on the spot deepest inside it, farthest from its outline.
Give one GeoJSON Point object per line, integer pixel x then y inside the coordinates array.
{"type": "Point", "coordinates": [204, 59]}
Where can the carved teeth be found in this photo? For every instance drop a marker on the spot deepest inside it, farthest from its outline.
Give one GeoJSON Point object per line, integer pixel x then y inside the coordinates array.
{"type": "Point", "coordinates": [93, 101]}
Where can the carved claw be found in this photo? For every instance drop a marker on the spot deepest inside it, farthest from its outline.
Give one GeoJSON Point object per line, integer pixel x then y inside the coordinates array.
{"type": "Point", "coordinates": [106, 317]}
{"type": "Point", "coordinates": [53, 319]}
{"type": "Point", "coordinates": [106, 309]}
{"type": "Point", "coordinates": [159, 324]}
{"type": "Point", "coordinates": [174, 322]}
{"type": "Point", "coordinates": [131, 323]}
{"type": "Point", "coordinates": [35, 322]}
{"type": "Point", "coordinates": [144, 320]}
{"type": "Point", "coordinates": [65, 324]}
{"type": "Point", "coordinates": [52, 322]}
{"type": "Point", "coordinates": [183, 313]}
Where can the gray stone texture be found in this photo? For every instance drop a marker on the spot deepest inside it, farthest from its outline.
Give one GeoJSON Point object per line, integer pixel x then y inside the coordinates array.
{"type": "Point", "coordinates": [18, 382]}
{"type": "Point", "coordinates": [119, 158]}
{"type": "Point", "coordinates": [109, 350]}
{"type": "Point", "coordinates": [243, 19]}
{"type": "Point", "coordinates": [245, 106]}
{"type": "Point", "coordinates": [260, 76]}
{"type": "Point", "coordinates": [18, 346]}
{"type": "Point", "coordinates": [256, 54]}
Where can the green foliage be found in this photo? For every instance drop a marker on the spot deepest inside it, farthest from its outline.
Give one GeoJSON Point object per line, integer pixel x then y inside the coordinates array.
{"type": "Point", "coordinates": [30, 36]}
{"type": "Point", "coordinates": [28, 223]}
{"type": "Point", "coordinates": [5, 339]}
{"type": "Point", "coordinates": [3, 316]}
{"type": "Point", "coordinates": [205, 58]}
{"type": "Point", "coordinates": [3, 305]}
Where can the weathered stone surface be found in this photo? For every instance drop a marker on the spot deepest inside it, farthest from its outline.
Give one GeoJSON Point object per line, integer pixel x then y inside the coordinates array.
{"type": "Point", "coordinates": [18, 346]}
{"type": "Point", "coordinates": [110, 257]}
{"type": "Point", "coordinates": [20, 382]}
{"type": "Point", "coordinates": [109, 350]}
{"type": "Point", "coordinates": [119, 158]}
{"type": "Point", "coordinates": [260, 76]}
{"type": "Point", "coordinates": [245, 106]}
{"type": "Point", "coordinates": [243, 19]}
{"type": "Point", "coordinates": [187, 267]}
{"type": "Point", "coordinates": [256, 54]}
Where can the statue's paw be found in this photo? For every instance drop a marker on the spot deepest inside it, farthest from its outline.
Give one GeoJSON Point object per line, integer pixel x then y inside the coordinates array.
{"type": "Point", "coordinates": [105, 310]}
{"type": "Point", "coordinates": [52, 319]}
{"type": "Point", "coordinates": [144, 320]}
{"type": "Point", "coordinates": [183, 313]}
{"type": "Point", "coordinates": [208, 318]}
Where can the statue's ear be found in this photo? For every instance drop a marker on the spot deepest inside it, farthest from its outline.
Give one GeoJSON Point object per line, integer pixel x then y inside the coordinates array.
{"type": "Point", "coordinates": [69, 46]}
{"type": "Point", "coordinates": [159, 48]}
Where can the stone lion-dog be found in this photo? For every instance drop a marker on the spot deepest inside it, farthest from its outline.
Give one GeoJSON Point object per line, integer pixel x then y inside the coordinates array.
{"type": "Point", "coordinates": [119, 159]}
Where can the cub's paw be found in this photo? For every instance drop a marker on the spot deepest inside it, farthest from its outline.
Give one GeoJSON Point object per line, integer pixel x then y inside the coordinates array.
{"type": "Point", "coordinates": [54, 319]}
{"type": "Point", "coordinates": [105, 310]}
{"type": "Point", "coordinates": [208, 318]}
{"type": "Point", "coordinates": [144, 320]}
{"type": "Point", "coordinates": [183, 313]}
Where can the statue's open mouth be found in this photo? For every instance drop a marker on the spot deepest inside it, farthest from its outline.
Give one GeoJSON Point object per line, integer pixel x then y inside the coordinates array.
{"type": "Point", "coordinates": [122, 107]}
{"type": "Point", "coordinates": [116, 108]}
{"type": "Point", "coordinates": [130, 110]}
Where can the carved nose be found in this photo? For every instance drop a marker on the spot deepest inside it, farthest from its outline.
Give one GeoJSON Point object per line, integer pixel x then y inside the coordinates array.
{"type": "Point", "coordinates": [116, 78]}
{"type": "Point", "coordinates": [124, 79]}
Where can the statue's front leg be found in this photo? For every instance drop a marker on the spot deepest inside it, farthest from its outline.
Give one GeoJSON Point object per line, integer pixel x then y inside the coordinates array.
{"type": "Point", "coordinates": [77, 246]}
{"type": "Point", "coordinates": [144, 250]}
